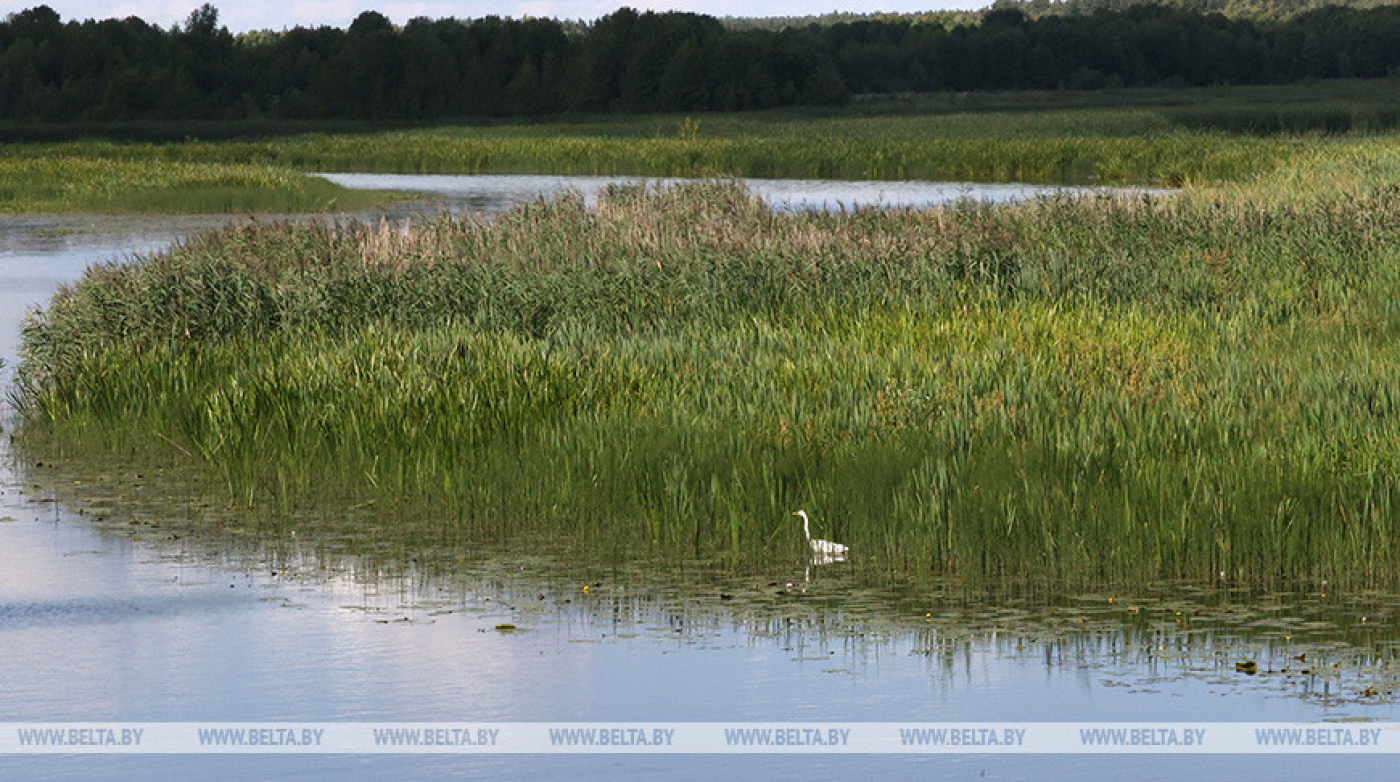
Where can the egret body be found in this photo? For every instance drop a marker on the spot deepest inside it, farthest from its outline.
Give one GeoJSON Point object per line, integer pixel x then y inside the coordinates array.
{"type": "Point", "coordinates": [823, 550]}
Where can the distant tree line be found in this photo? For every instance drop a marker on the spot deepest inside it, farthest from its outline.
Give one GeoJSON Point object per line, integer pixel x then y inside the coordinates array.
{"type": "Point", "coordinates": [1035, 9]}
{"type": "Point", "coordinates": [118, 70]}
{"type": "Point", "coordinates": [1241, 9]}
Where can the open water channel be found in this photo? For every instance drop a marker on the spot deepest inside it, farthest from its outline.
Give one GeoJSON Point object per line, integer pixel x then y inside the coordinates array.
{"type": "Point", "coordinates": [106, 620]}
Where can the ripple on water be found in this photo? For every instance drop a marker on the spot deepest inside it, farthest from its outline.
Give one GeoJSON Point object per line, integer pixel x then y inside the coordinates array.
{"type": "Point", "coordinates": [80, 611]}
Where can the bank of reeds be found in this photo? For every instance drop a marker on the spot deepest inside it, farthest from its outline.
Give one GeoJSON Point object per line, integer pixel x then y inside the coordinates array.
{"type": "Point", "coordinates": [1071, 390]}
{"type": "Point", "coordinates": [882, 148]}
{"type": "Point", "coordinates": [1158, 136]}
{"type": "Point", "coordinates": [74, 180]}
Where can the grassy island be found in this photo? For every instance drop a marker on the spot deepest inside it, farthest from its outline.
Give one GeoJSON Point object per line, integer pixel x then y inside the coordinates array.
{"type": "Point", "coordinates": [1070, 390]}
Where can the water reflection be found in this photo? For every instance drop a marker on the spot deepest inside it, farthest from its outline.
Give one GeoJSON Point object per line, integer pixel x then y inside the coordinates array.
{"type": "Point", "coordinates": [819, 627]}
{"type": "Point", "coordinates": [120, 613]}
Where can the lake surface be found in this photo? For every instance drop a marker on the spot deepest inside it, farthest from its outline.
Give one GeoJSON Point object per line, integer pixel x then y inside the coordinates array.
{"type": "Point", "coordinates": [107, 614]}
{"type": "Point", "coordinates": [491, 194]}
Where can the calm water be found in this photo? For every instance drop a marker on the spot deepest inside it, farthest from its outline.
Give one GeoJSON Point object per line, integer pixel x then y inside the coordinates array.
{"type": "Point", "coordinates": [102, 619]}
{"type": "Point", "coordinates": [492, 194]}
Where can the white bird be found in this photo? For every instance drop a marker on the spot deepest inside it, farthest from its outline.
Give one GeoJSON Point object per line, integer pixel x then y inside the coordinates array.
{"type": "Point", "coordinates": [823, 551]}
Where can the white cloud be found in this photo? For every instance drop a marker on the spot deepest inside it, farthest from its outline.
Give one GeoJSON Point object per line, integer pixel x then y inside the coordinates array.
{"type": "Point", "coordinates": [301, 13]}
{"type": "Point", "coordinates": [536, 9]}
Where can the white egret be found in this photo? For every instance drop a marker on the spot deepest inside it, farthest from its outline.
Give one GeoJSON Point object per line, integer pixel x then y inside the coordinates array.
{"type": "Point", "coordinates": [823, 551]}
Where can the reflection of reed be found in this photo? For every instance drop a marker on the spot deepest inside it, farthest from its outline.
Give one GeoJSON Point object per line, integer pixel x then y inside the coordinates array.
{"type": "Point", "coordinates": [1323, 651]}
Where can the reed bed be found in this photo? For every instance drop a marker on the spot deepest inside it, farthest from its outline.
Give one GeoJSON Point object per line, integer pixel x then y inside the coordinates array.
{"type": "Point", "coordinates": [71, 179]}
{"type": "Point", "coordinates": [1171, 137]}
{"type": "Point", "coordinates": [961, 149]}
{"type": "Point", "coordinates": [1071, 391]}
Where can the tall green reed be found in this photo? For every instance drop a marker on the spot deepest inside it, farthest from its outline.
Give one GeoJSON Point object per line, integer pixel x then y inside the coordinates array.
{"type": "Point", "coordinates": [1069, 390]}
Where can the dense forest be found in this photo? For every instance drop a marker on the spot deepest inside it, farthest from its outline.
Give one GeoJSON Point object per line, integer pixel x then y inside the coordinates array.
{"type": "Point", "coordinates": [119, 70]}
{"type": "Point", "coordinates": [1035, 9]}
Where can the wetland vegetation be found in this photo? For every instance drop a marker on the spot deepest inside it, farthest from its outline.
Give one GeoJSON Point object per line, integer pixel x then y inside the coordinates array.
{"type": "Point", "coordinates": [1103, 390]}
{"type": "Point", "coordinates": [1069, 392]}
{"type": "Point", "coordinates": [67, 180]}
{"type": "Point", "coordinates": [1096, 458]}
{"type": "Point", "coordinates": [1169, 137]}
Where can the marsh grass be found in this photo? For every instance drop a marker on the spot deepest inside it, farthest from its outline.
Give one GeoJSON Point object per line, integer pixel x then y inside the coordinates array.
{"type": "Point", "coordinates": [1068, 146]}
{"type": "Point", "coordinates": [1170, 137]}
{"type": "Point", "coordinates": [50, 180]}
{"type": "Point", "coordinates": [980, 148]}
{"type": "Point", "coordinates": [1071, 391]}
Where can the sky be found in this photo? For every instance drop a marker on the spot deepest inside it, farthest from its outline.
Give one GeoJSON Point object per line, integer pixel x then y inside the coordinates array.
{"type": "Point", "coordinates": [244, 15]}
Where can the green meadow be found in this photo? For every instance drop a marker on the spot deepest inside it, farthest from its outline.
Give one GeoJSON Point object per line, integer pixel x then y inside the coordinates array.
{"type": "Point", "coordinates": [1105, 390]}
